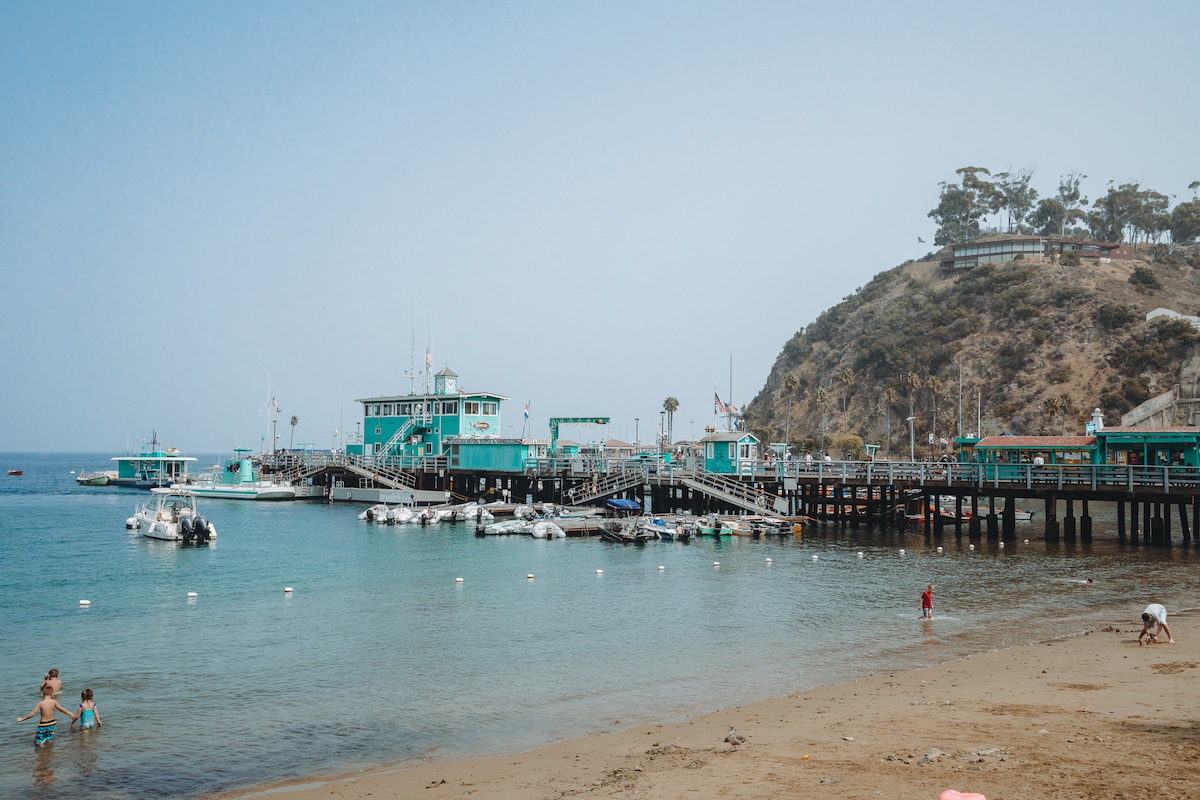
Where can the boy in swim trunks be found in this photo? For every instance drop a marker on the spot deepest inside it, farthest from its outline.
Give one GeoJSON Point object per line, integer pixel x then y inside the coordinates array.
{"type": "Point", "coordinates": [47, 707]}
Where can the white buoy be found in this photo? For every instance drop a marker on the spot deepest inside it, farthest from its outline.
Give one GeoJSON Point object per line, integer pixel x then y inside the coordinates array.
{"type": "Point", "coordinates": [529, 576]}
{"type": "Point", "coordinates": [939, 549]}
{"type": "Point", "coordinates": [85, 602]}
{"type": "Point", "coordinates": [599, 572]}
{"type": "Point", "coordinates": [192, 594]}
{"type": "Point", "coordinates": [716, 563]}
{"type": "Point", "coordinates": [901, 551]}
{"type": "Point", "coordinates": [768, 561]}
{"type": "Point", "coordinates": [814, 558]}
{"type": "Point", "coordinates": [971, 546]}
{"type": "Point", "coordinates": [1026, 541]}
{"type": "Point", "coordinates": [661, 567]}
{"type": "Point", "coordinates": [1002, 545]}
{"type": "Point", "coordinates": [860, 554]}
{"type": "Point", "coordinates": [458, 580]}
{"type": "Point", "coordinates": [287, 590]}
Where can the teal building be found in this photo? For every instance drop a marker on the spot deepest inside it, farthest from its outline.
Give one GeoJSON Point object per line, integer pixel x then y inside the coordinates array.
{"type": "Point", "coordinates": [730, 452]}
{"type": "Point", "coordinates": [416, 425]}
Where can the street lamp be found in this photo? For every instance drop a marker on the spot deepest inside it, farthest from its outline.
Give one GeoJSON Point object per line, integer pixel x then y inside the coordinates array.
{"type": "Point", "coordinates": [635, 435]}
{"type": "Point", "coordinates": [912, 441]}
{"type": "Point", "coordinates": [662, 430]}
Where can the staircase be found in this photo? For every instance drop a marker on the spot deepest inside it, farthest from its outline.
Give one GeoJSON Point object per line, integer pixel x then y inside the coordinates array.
{"type": "Point", "coordinates": [401, 433]}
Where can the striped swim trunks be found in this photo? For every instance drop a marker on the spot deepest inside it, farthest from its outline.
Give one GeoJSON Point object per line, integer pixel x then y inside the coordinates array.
{"type": "Point", "coordinates": [45, 733]}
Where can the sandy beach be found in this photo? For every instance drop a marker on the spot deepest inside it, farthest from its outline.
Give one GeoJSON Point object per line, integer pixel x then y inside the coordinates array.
{"type": "Point", "coordinates": [1093, 715]}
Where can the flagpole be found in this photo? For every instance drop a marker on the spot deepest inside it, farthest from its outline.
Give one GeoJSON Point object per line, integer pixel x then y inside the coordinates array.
{"type": "Point", "coordinates": [729, 405]}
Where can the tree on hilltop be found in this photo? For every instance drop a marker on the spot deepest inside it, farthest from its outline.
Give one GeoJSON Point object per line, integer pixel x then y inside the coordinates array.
{"type": "Point", "coordinates": [961, 207]}
{"type": "Point", "coordinates": [1016, 196]}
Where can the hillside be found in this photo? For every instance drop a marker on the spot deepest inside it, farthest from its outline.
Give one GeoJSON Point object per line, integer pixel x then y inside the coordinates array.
{"type": "Point", "coordinates": [1040, 344]}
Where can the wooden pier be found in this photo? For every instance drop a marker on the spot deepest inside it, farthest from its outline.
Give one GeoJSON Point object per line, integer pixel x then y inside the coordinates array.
{"type": "Point", "coordinates": [1152, 504]}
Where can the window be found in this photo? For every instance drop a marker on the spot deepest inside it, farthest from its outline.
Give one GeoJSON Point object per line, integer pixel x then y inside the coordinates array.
{"type": "Point", "coordinates": [378, 447]}
{"type": "Point", "coordinates": [404, 409]}
{"type": "Point", "coordinates": [378, 430]}
{"type": "Point", "coordinates": [471, 407]}
{"type": "Point", "coordinates": [491, 409]}
{"type": "Point", "coordinates": [450, 407]}
{"type": "Point", "coordinates": [375, 410]}
{"type": "Point", "coordinates": [387, 409]}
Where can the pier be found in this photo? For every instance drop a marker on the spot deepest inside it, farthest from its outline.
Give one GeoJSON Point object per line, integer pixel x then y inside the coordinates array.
{"type": "Point", "coordinates": [1154, 505]}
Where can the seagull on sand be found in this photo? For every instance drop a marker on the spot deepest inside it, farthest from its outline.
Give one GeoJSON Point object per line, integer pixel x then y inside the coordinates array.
{"type": "Point", "coordinates": [735, 738]}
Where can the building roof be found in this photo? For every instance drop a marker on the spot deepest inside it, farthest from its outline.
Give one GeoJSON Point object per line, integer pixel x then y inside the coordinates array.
{"type": "Point", "coordinates": [394, 398]}
{"type": "Point", "coordinates": [617, 444]}
{"type": "Point", "coordinates": [728, 436]}
{"type": "Point", "coordinates": [1034, 442]}
{"type": "Point", "coordinates": [1176, 432]}
{"type": "Point", "coordinates": [447, 372]}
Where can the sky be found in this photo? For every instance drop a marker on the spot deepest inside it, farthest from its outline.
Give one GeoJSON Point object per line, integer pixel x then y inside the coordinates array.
{"type": "Point", "coordinates": [586, 206]}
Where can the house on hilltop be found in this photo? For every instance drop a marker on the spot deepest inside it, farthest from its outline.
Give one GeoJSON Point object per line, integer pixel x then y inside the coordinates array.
{"type": "Point", "coordinates": [999, 249]}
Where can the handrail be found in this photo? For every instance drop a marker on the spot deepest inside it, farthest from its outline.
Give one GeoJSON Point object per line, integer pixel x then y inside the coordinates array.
{"type": "Point", "coordinates": [1093, 477]}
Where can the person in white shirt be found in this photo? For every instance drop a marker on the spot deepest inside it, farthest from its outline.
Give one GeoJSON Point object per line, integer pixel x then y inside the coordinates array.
{"type": "Point", "coordinates": [1155, 614]}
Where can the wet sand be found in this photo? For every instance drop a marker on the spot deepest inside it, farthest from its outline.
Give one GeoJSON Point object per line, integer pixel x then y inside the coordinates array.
{"type": "Point", "coordinates": [1094, 715]}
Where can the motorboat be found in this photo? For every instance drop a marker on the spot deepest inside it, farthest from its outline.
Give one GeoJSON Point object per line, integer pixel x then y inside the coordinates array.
{"type": "Point", "coordinates": [171, 515]}
{"type": "Point", "coordinates": [94, 479]}
{"type": "Point", "coordinates": [239, 480]}
{"type": "Point", "coordinates": [16, 472]}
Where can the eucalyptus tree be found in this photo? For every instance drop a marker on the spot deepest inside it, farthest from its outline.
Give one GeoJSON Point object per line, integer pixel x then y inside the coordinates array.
{"type": "Point", "coordinates": [1016, 196]}
{"type": "Point", "coordinates": [961, 206]}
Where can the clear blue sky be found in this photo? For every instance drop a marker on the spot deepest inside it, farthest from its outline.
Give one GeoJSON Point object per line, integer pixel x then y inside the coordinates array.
{"type": "Point", "coordinates": [589, 206]}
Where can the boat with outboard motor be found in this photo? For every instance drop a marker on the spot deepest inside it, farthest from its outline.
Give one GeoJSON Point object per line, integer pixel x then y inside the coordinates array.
{"type": "Point", "coordinates": [171, 515]}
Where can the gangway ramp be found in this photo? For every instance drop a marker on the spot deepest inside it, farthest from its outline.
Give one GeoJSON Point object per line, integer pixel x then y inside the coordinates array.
{"type": "Point", "coordinates": [728, 490]}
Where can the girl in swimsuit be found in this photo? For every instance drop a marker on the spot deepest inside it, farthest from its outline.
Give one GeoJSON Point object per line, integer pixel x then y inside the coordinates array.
{"type": "Point", "coordinates": [89, 715]}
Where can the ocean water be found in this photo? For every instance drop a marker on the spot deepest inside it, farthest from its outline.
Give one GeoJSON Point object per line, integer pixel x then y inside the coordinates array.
{"type": "Point", "coordinates": [380, 656]}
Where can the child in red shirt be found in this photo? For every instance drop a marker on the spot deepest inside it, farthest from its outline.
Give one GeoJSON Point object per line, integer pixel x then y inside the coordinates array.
{"type": "Point", "coordinates": [927, 603]}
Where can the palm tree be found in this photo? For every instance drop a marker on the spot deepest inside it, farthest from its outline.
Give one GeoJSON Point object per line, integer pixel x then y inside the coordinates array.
{"type": "Point", "coordinates": [790, 384]}
{"type": "Point", "coordinates": [295, 422]}
{"type": "Point", "coordinates": [935, 386]}
{"type": "Point", "coordinates": [670, 405]}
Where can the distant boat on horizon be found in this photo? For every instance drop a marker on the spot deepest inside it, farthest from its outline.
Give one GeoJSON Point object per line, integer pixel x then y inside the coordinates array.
{"type": "Point", "coordinates": [16, 472]}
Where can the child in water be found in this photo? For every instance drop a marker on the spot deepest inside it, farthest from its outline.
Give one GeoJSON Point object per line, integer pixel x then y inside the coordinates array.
{"type": "Point", "coordinates": [45, 711]}
{"type": "Point", "coordinates": [89, 715]}
{"type": "Point", "coordinates": [927, 603]}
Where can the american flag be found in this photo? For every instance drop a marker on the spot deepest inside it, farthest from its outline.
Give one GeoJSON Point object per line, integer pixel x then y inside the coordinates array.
{"type": "Point", "coordinates": [724, 408]}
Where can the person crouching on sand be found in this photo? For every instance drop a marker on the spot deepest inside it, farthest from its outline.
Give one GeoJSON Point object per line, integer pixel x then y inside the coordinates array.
{"type": "Point", "coordinates": [1155, 614]}
{"type": "Point", "coordinates": [46, 722]}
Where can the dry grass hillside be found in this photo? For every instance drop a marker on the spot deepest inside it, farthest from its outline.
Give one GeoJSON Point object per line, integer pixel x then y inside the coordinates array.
{"type": "Point", "coordinates": [1037, 344]}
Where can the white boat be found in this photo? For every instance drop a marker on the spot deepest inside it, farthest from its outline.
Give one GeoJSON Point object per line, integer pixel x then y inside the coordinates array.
{"type": "Point", "coordinates": [171, 514]}
{"type": "Point", "coordinates": [547, 530]}
{"type": "Point", "coordinates": [240, 481]}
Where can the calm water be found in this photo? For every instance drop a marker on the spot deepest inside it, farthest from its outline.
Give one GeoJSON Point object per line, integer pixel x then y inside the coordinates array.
{"type": "Point", "coordinates": [380, 656]}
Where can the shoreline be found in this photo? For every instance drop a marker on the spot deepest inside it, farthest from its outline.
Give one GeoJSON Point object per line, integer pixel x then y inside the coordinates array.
{"type": "Point", "coordinates": [1091, 714]}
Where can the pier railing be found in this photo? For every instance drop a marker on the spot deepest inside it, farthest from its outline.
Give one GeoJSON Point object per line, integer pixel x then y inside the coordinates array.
{"type": "Point", "coordinates": [1092, 477]}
